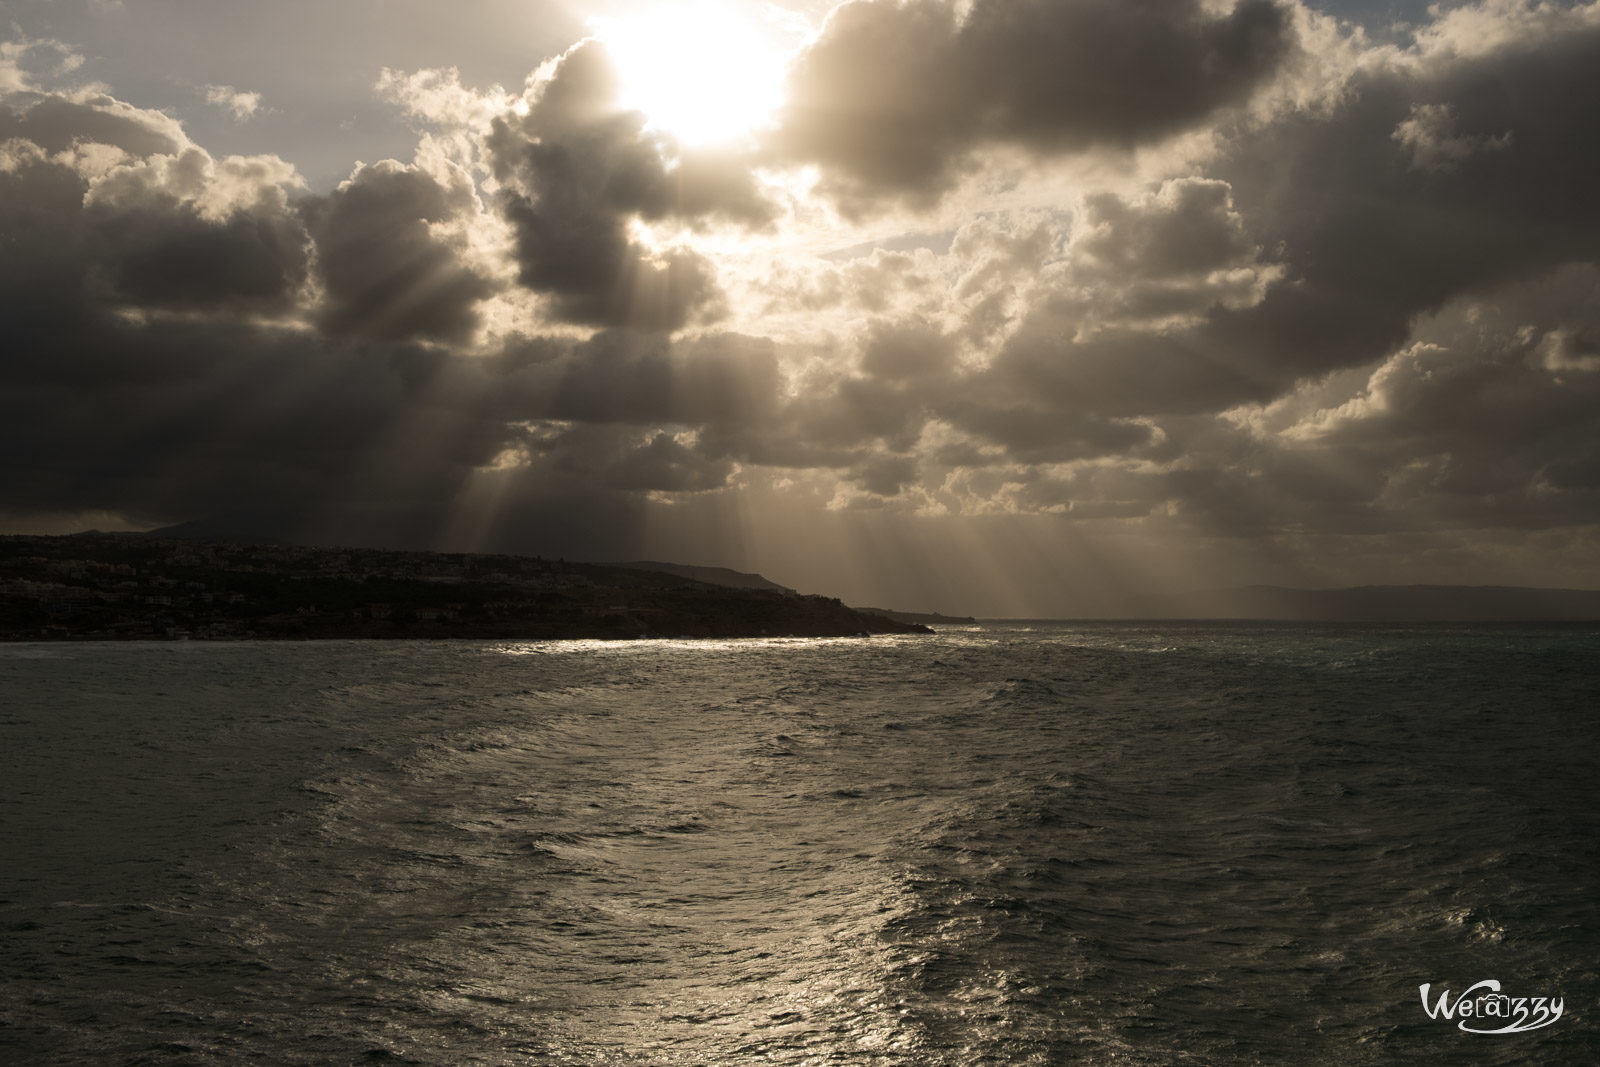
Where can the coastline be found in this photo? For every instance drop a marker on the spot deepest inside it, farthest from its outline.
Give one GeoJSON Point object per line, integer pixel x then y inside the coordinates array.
{"type": "Point", "coordinates": [122, 587]}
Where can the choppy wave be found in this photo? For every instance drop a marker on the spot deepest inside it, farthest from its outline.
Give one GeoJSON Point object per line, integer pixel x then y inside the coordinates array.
{"type": "Point", "coordinates": [1009, 845]}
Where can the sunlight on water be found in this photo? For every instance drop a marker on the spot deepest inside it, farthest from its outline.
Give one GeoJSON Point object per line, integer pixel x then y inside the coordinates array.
{"type": "Point", "coordinates": [1019, 845]}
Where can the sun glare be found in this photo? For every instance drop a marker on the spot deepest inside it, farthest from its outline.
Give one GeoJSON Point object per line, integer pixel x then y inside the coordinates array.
{"type": "Point", "coordinates": [704, 72]}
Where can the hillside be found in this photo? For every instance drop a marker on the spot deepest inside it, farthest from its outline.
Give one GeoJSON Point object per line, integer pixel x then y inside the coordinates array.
{"type": "Point", "coordinates": [129, 586]}
{"type": "Point", "coordinates": [724, 576]}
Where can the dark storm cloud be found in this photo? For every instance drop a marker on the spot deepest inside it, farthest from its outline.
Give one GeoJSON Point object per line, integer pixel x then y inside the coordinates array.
{"type": "Point", "coordinates": [139, 378]}
{"type": "Point", "coordinates": [1366, 235]}
{"type": "Point", "coordinates": [619, 459]}
{"type": "Point", "coordinates": [189, 420]}
{"type": "Point", "coordinates": [666, 465]}
{"type": "Point", "coordinates": [905, 351]}
{"type": "Point", "coordinates": [1375, 234]}
{"type": "Point", "coordinates": [305, 435]}
{"type": "Point", "coordinates": [643, 379]}
{"type": "Point", "coordinates": [45, 265]}
{"type": "Point", "coordinates": [387, 272]}
{"type": "Point", "coordinates": [1488, 420]}
{"type": "Point", "coordinates": [884, 474]}
{"type": "Point", "coordinates": [1120, 327]}
{"type": "Point", "coordinates": [1401, 276]}
{"type": "Point", "coordinates": [1096, 492]}
{"type": "Point", "coordinates": [1446, 182]}
{"type": "Point", "coordinates": [577, 169]}
{"type": "Point", "coordinates": [894, 97]}
{"type": "Point", "coordinates": [848, 421]}
{"type": "Point", "coordinates": [168, 256]}
{"type": "Point", "coordinates": [869, 426]}
{"type": "Point", "coordinates": [1125, 372]}
{"type": "Point", "coordinates": [47, 261]}
{"type": "Point", "coordinates": [137, 375]}
{"type": "Point", "coordinates": [1489, 417]}
{"type": "Point", "coordinates": [1187, 230]}
{"type": "Point", "coordinates": [1035, 434]}
{"type": "Point", "coordinates": [174, 232]}
{"type": "Point", "coordinates": [161, 250]}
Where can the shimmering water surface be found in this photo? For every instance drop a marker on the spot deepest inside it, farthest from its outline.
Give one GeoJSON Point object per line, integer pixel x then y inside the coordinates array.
{"type": "Point", "coordinates": [1009, 844]}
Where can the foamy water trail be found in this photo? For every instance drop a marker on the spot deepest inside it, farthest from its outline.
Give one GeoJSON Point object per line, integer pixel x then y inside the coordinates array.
{"type": "Point", "coordinates": [1097, 844]}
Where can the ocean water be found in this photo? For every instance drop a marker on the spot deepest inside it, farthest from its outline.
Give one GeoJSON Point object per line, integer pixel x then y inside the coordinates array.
{"type": "Point", "coordinates": [1005, 844]}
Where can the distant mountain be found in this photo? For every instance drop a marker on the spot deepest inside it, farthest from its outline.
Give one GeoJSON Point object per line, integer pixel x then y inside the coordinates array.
{"type": "Point", "coordinates": [713, 575]}
{"type": "Point", "coordinates": [930, 618]}
{"type": "Point", "coordinates": [1380, 603]}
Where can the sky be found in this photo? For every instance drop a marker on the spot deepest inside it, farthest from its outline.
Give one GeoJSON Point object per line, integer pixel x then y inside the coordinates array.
{"type": "Point", "coordinates": [1001, 307]}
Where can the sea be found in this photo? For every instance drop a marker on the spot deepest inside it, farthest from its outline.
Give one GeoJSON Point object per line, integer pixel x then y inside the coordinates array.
{"type": "Point", "coordinates": [1008, 843]}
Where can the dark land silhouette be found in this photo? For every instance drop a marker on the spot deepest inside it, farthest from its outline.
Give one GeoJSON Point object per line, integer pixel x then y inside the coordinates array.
{"type": "Point", "coordinates": [134, 587]}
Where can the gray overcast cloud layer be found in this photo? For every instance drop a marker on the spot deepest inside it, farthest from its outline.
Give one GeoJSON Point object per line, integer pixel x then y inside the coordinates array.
{"type": "Point", "coordinates": [1223, 285]}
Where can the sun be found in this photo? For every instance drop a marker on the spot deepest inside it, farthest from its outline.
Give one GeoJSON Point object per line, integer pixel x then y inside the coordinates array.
{"type": "Point", "coordinates": [705, 72]}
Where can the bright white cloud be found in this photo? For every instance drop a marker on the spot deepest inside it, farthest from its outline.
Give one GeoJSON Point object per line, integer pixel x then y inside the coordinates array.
{"type": "Point", "coordinates": [240, 104]}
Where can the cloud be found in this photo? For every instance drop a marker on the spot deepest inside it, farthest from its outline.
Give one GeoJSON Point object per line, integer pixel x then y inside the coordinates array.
{"type": "Point", "coordinates": [1316, 240]}
{"type": "Point", "coordinates": [1118, 323]}
{"type": "Point", "coordinates": [156, 357]}
{"type": "Point", "coordinates": [907, 351]}
{"type": "Point", "coordinates": [108, 207]}
{"type": "Point", "coordinates": [894, 97]}
{"type": "Point", "coordinates": [243, 105]}
{"type": "Point", "coordinates": [1363, 310]}
{"type": "Point", "coordinates": [642, 379]}
{"type": "Point", "coordinates": [18, 55]}
{"type": "Point", "coordinates": [1492, 415]}
{"type": "Point", "coordinates": [58, 123]}
{"type": "Point", "coordinates": [437, 95]}
{"type": "Point", "coordinates": [394, 258]}
{"type": "Point", "coordinates": [577, 170]}
{"type": "Point", "coordinates": [658, 462]}
{"type": "Point", "coordinates": [1377, 229]}
{"type": "Point", "coordinates": [193, 336]}
{"type": "Point", "coordinates": [188, 232]}
{"type": "Point", "coordinates": [1429, 132]}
